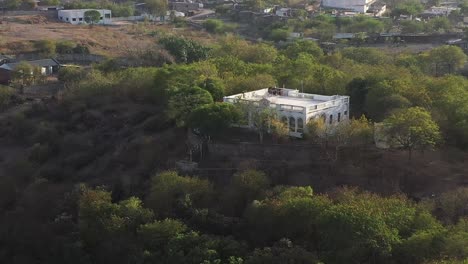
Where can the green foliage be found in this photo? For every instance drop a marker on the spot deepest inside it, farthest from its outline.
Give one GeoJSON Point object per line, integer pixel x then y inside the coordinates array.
{"type": "Point", "coordinates": [170, 192]}
{"type": "Point", "coordinates": [107, 229]}
{"type": "Point", "coordinates": [215, 86]}
{"type": "Point", "coordinates": [214, 119]}
{"type": "Point", "coordinates": [366, 55]}
{"type": "Point", "coordinates": [214, 26]}
{"type": "Point", "coordinates": [64, 47]}
{"type": "Point", "coordinates": [157, 7]}
{"type": "Point", "coordinates": [450, 57]}
{"type": "Point", "coordinates": [412, 128]}
{"type": "Point", "coordinates": [185, 51]}
{"type": "Point", "coordinates": [25, 74]}
{"type": "Point", "coordinates": [12, 4]}
{"type": "Point", "coordinates": [45, 47]}
{"type": "Point", "coordinates": [282, 252]}
{"type": "Point", "coordinates": [92, 16]}
{"type": "Point", "coordinates": [71, 74]}
{"type": "Point", "coordinates": [184, 101]}
{"type": "Point", "coordinates": [118, 9]}
{"type": "Point", "coordinates": [365, 24]}
{"type": "Point", "coordinates": [6, 94]}
{"type": "Point", "coordinates": [449, 206]}
{"type": "Point", "coordinates": [408, 7]}
{"type": "Point", "coordinates": [279, 34]}
{"type": "Point", "coordinates": [303, 46]}
{"type": "Point", "coordinates": [244, 188]}
{"type": "Point", "coordinates": [235, 47]}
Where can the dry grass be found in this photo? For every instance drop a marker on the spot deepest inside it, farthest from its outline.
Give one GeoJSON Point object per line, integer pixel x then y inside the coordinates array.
{"type": "Point", "coordinates": [111, 41]}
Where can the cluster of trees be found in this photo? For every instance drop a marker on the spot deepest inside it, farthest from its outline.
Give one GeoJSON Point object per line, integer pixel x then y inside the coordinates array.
{"type": "Point", "coordinates": [186, 220]}
{"type": "Point", "coordinates": [378, 83]}
{"type": "Point", "coordinates": [50, 48]}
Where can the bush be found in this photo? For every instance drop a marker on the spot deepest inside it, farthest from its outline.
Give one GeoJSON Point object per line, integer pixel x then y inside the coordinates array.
{"type": "Point", "coordinates": [45, 47]}
{"type": "Point", "coordinates": [214, 25]}
{"type": "Point", "coordinates": [170, 191]}
{"type": "Point", "coordinates": [40, 153]}
{"type": "Point", "coordinates": [279, 34]}
{"type": "Point", "coordinates": [64, 47]}
{"type": "Point", "coordinates": [6, 94]}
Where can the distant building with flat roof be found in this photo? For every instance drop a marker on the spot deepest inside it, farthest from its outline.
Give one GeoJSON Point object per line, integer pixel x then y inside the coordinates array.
{"type": "Point", "coordinates": [294, 108]}
{"type": "Point", "coordinates": [360, 6]}
{"type": "Point", "coordinates": [77, 16]}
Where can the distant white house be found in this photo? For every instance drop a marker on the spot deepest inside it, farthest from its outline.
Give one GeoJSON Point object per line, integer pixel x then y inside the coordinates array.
{"type": "Point", "coordinates": [76, 16]}
{"type": "Point", "coordinates": [294, 108]}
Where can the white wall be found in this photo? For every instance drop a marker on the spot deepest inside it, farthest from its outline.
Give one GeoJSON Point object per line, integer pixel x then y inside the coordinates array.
{"type": "Point", "coordinates": [76, 16]}
{"type": "Point", "coordinates": [357, 5]}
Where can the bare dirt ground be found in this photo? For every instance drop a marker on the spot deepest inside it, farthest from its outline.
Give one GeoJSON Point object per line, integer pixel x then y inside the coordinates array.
{"type": "Point", "coordinates": [112, 40]}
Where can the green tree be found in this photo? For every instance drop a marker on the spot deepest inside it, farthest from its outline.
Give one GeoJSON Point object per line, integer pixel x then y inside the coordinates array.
{"type": "Point", "coordinates": [215, 86]}
{"type": "Point", "coordinates": [92, 17]}
{"type": "Point", "coordinates": [6, 94]}
{"type": "Point", "coordinates": [279, 34]}
{"type": "Point", "coordinates": [451, 58]}
{"type": "Point", "coordinates": [214, 119]}
{"type": "Point", "coordinates": [303, 46]}
{"type": "Point", "coordinates": [184, 101]}
{"type": "Point", "coordinates": [244, 188]}
{"type": "Point", "coordinates": [157, 7]}
{"type": "Point", "coordinates": [412, 128]}
{"type": "Point", "coordinates": [12, 4]}
{"type": "Point", "coordinates": [65, 47]}
{"type": "Point", "coordinates": [214, 25]}
{"type": "Point", "coordinates": [108, 229]}
{"type": "Point", "coordinates": [409, 7]}
{"type": "Point", "coordinates": [25, 74]}
{"type": "Point", "coordinates": [186, 51]}
{"type": "Point", "coordinates": [171, 193]}
{"type": "Point", "coordinates": [45, 47]}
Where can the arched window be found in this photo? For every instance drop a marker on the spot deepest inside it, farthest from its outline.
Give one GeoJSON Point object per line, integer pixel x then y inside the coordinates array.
{"type": "Point", "coordinates": [300, 125]}
{"type": "Point", "coordinates": [292, 124]}
{"type": "Point", "coordinates": [330, 121]}
{"type": "Point", "coordinates": [339, 117]}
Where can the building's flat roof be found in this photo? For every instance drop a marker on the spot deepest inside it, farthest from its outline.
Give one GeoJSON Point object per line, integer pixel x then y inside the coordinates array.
{"type": "Point", "coordinates": [283, 96]}
{"type": "Point", "coordinates": [286, 100]}
{"type": "Point", "coordinates": [40, 63]}
{"type": "Point", "coordinates": [82, 10]}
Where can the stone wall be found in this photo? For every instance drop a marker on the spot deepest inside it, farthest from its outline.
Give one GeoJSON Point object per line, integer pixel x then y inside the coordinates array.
{"type": "Point", "coordinates": [247, 150]}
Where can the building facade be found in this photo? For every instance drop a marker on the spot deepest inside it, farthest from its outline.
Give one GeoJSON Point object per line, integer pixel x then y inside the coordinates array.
{"type": "Point", "coordinates": [360, 6]}
{"type": "Point", "coordinates": [294, 108]}
{"type": "Point", "coordinates": [46, 66]}
{"type": "Point", "coordinates": [77, 16]}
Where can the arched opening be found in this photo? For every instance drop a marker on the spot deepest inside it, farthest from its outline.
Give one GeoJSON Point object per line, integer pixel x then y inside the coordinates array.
{"type": "Point", "coordinates": [292, 124]}
{"type": "Point", "coordinates": [330, 121]}
{"type": "Point", "coordinates": [300, 125]}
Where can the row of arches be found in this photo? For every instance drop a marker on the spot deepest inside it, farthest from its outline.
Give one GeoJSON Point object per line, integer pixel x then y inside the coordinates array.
{"type": "Point", "coordinates": [295, 125]}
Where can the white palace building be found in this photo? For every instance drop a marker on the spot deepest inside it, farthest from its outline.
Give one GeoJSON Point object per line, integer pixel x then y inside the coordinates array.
{"type": "Point", "coordinates": [296, 108]}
